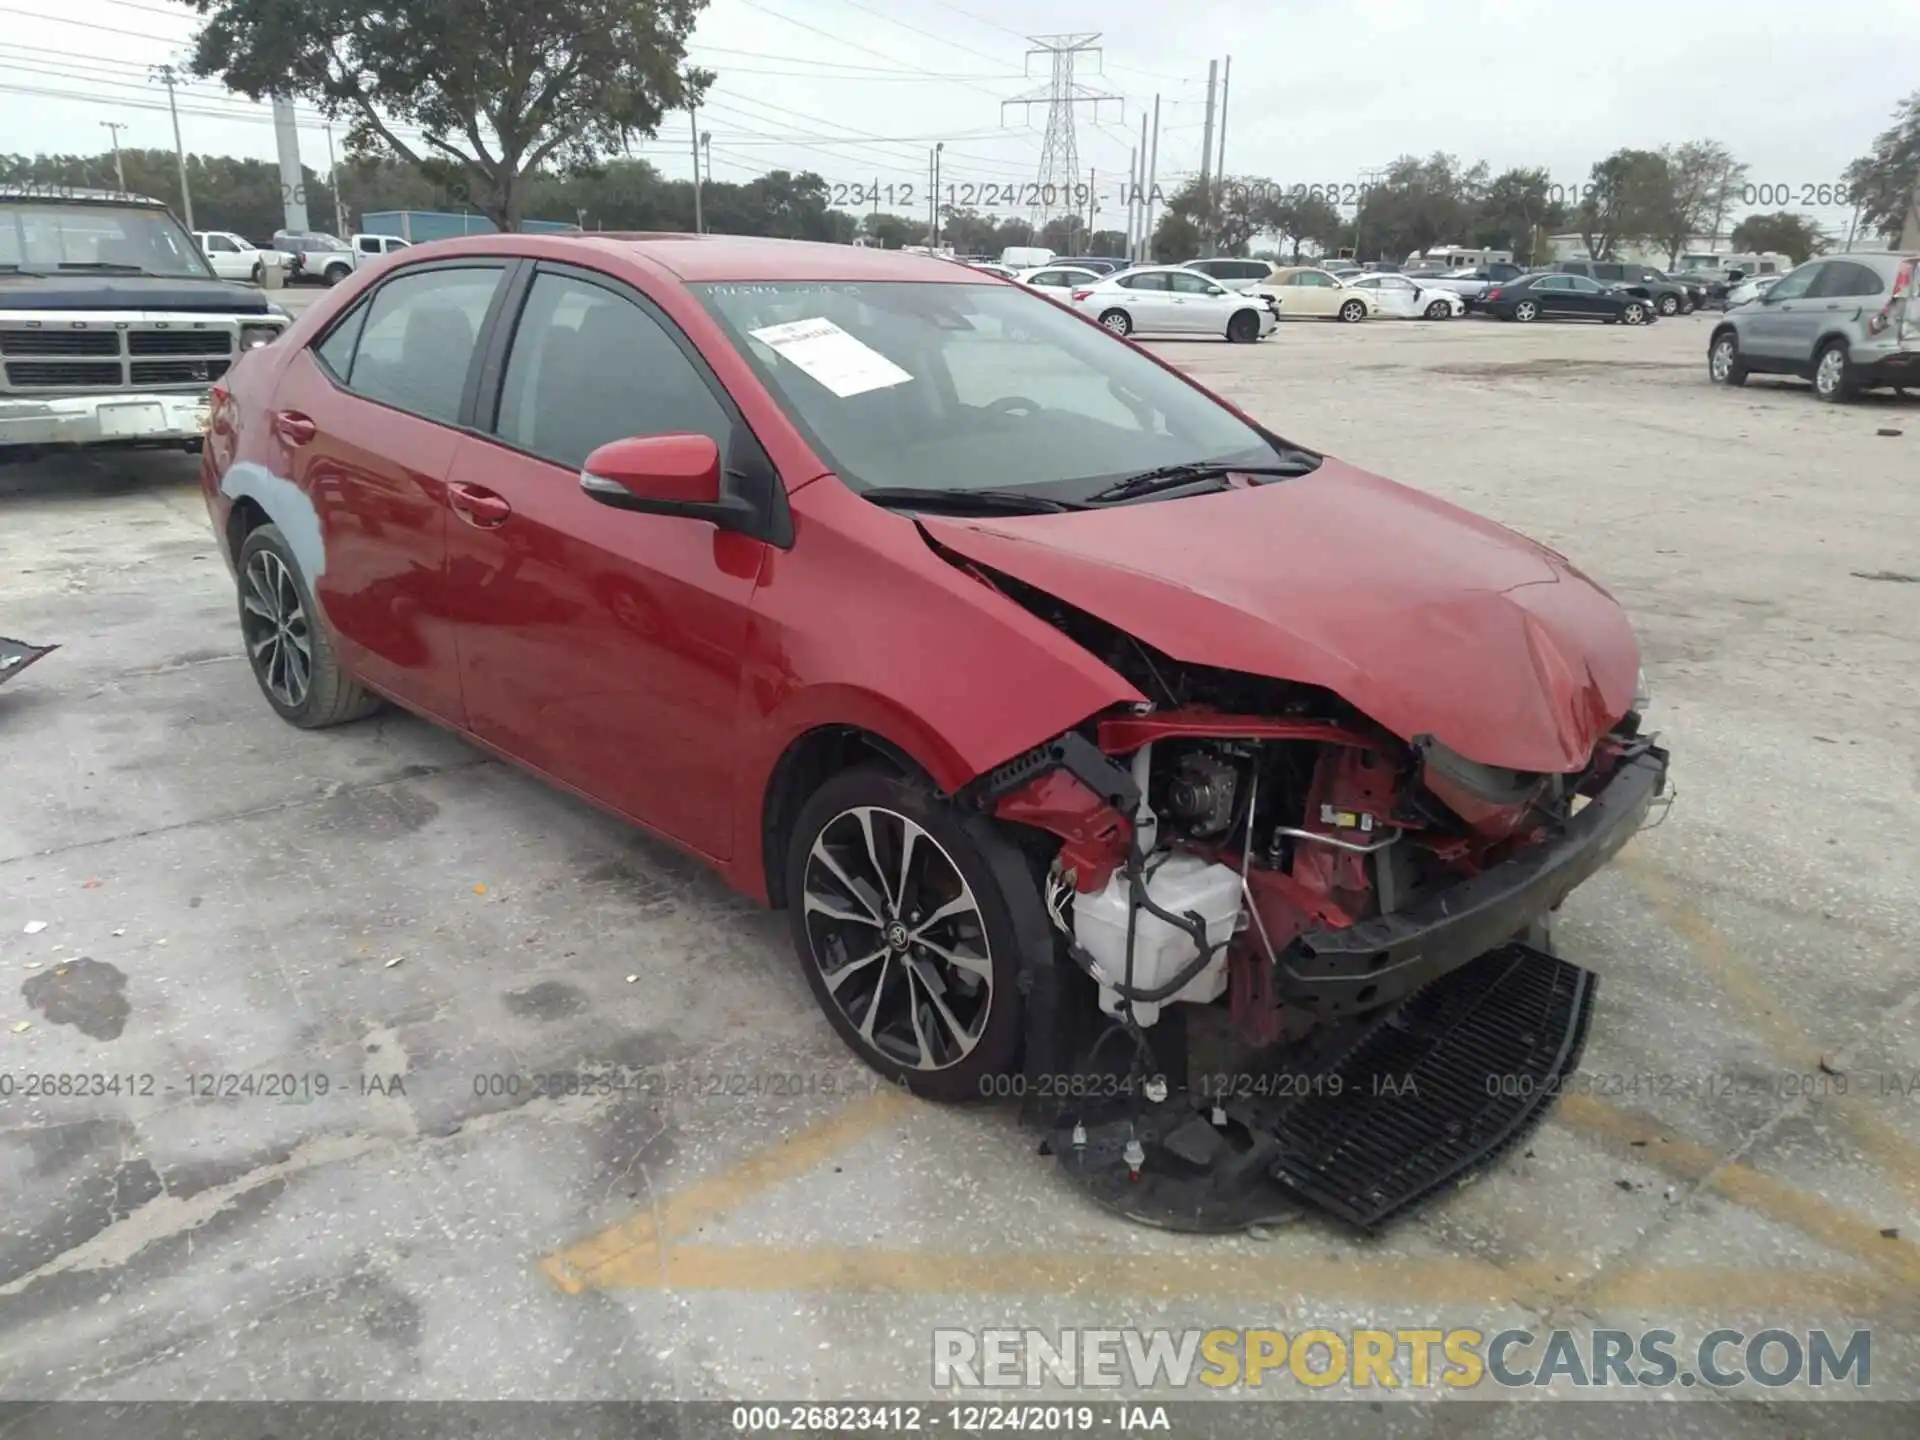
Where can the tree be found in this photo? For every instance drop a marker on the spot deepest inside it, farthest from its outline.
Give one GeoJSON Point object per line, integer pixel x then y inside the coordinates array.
{"type": "Point", "coordinates": [891, 232]}
{"type": "Point", "coordinates": [1175, 238]}
{"type": "Point", "coordinates": [497, 89]}
{"type": "Point", "coordinates": [1418, 204]}
{"type": "Point", "coordinates": [1623, 200]}
{"type": "Point", "coordinates": [1517, 208]}
{"type": "Point", "coordinates": [1791, 234]}
{"type": "Point", "coordinates": [1883, 181]}
{"type": "Point", "coordinates": [1305, 219]}
{"type": "Point", "coordinates": [1690, 194]}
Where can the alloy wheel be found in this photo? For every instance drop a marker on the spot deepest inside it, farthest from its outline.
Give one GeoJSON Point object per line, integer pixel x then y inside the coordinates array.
{"type": "Point", "coordinates": [1720, 363]}
{"type": "Point", "coordinates": [1831, 372]}
{"type": "Point", "coordinates": [1634, 315]}
{"type": "Point", "coordinates": [1669, 305]}
{"type": "Point", "coordinates": [1117, 322]}
{"type": "Point", "coordinates": [898, 938]}
{"type": "Point", "coordinates": [1525, 310]}
{"type": "Point", "coordinates": [276, 630]}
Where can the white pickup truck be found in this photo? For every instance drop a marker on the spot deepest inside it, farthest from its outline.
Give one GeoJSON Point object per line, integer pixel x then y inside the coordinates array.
{"type": "Point", "coordinates": [328, 258]}
{"type": "Point", "coordinates": [234, 257]}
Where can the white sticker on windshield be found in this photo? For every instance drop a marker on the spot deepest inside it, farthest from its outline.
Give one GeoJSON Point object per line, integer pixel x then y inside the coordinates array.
{"type": "Point", "coordinates": [833, 357]}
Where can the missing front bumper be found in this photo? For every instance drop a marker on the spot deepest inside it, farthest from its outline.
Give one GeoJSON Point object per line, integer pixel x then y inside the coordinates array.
{"type": "Point", "coordinates": [1375, 1118]}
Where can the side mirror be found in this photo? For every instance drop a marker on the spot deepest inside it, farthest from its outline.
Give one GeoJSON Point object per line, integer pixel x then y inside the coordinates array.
{"type": "Point", "coordinates": [664, 475]}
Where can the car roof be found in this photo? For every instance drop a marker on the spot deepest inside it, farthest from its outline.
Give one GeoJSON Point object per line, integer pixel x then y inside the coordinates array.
{"type": "Point", "coordinates": [699, 259]}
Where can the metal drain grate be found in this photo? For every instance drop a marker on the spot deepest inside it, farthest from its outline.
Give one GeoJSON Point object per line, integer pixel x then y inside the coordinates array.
{"type": "Point", "coordinates": [1442, 1084]}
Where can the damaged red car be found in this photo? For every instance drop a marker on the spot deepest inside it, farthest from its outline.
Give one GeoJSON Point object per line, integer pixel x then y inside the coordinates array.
{"type": "Point", "coordinates": [1107, 748]}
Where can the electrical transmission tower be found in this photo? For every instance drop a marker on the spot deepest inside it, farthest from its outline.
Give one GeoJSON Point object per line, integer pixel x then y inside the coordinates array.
{"type": "Point", "coordinates": [1061, 187]}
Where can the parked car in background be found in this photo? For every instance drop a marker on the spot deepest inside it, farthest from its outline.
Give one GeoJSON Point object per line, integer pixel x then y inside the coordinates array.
{"type": "Point", "coordinates": [1408, 299]}
{"type": "Point", "coordinates": [1748, 290]}
{"type": "Point", "coordinates": [234, 257]}
{"type": "Point", "coordinates": [1060, 281]}
{"type": "Point", "coordinates": [1551, 295]}
{"type": "Point", "coordinates": [1235, 274]}
{"type": "Point", "coordinates": [1471, 282]}
{"type": "Point", "coordinates": [322, 257]}
{"type": "Point", "coordinates": [1173, 300]}
{"type": "Point", "coordinates": [1025, 257]}
{"type": "Point", "coordinates": [1099, 264]}
{"type": "Point", "coordinates": [1669, 297]}
{"type": "Point", "coordinates": [1308, 290]}
{"type": "Point", "coordinates": [1005, 272]}
{"type": "Point", "coordinates": [1340, 267]}
{"type": "Point", "coordinates": [368, 248]}
{"type": "Point", "coordinates": [1847, 323]}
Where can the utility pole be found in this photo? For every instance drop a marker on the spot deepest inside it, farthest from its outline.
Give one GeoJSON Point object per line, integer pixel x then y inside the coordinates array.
{"type": "Point", "coordinates": [693, 119]}
{"type": "Point", "coordinates": [1059, 153]}
{"type": "Point", "coordinates": [119, 170]}
{"type": "Point", "coordinates": [1135, 250]}
{"type": "Point", "coordinates": [1226, 80]}
{"type": "Point", "coordinates": [293, 175]}
{"type": "Point", "coordinates": [1206, 159]}
{"type": "Point", "coordinates": [937, 148]}
{"type": "Point", "coordinates": [1153, 180]}
{"type": "Point", "coordinates": [333, 184]}
{"type": "Point", "coordinates": [1093, 205]}
{"type": "Point", "coordinates": [164, 73]}
{"type": "Point", "coordinates": [1133, 186]}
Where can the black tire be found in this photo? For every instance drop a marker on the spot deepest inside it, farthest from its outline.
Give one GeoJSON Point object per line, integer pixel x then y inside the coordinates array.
{"type": "Point", "coordinates": [334, 274]}
{"type": "Point", "coordinates": [1634, 314]}
{"type": "Point", "coordinates": [1526, 312]}
{"type": "Point", "coordinates": [1439, 310]}
{"type": "Point", "coordinates": [1007, 920]}
{"type": "Point", "coordinates": [259, 272]}
{"type": "Point", "coordinates": [328, 695]}
{"type": "Point", "coordinates": [1353, 311]}
{"type": "Point", "coordinates": [1118, 321]}
{"type": "Point", "coordinates": [1243, 327]}
{"type": "Point", "coordinates": [1668, 305]}
{"type": "Point", "coordinates": [1842, 386]}
{"type": "Point", "coordinates": [1727, 369]}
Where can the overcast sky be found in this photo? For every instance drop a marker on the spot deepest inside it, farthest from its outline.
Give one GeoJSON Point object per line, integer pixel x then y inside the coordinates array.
{"type": "Point", "coordinates": [1321, 89]}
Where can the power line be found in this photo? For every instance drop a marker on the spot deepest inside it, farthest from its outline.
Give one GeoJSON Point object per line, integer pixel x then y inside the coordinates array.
{"type": "Point", "coordinates": [856, 45]}
{"type": "Point", "coordinates": [90, 25]}
{"type": "Point", "coordinates": [915, 29]}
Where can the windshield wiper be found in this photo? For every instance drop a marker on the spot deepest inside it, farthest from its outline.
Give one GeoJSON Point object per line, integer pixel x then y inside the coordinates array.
{"type": "Point", "coordinates": [107, 267]}
{"type": "Point", "coordinates": [1170, 477]}
{"type": "Point", "coordinates": [995, 502]}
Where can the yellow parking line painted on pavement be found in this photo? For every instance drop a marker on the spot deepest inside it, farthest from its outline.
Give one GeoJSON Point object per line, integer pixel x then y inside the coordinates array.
{"type": "Point", "coordinates": [1773, 1016]}
{"type": "Point", "coordinates": [1642, 1139]}
{"type": "Point", "coordinates": [1279, 1278]}
{"type": "Point", "coordinates": [634, 1242]}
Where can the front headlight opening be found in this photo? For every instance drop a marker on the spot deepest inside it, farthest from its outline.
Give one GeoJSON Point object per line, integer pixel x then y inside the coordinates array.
{"type": "Point", "coordinates": [252, 337]}
{"type": "Point", "coordinates": [1642, 696]}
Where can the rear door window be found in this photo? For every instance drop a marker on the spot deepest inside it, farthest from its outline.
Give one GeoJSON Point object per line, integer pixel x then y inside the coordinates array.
{"type": "Point", "coordinates": [419, 339]}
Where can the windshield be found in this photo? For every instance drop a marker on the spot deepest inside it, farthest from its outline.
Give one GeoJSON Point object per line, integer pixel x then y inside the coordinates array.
{"type": "Point", "coordinates": [970, 387]}
{"type": "Point", "coordinates": [44, 239]}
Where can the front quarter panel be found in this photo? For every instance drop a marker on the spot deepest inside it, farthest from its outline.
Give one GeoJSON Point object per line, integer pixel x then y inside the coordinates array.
{"type": "Point", "coordinates": [862, 624]}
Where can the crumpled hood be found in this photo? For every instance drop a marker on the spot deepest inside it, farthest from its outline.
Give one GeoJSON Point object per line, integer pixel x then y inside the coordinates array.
{"type": "Point", "coordinates": [1428, 619]}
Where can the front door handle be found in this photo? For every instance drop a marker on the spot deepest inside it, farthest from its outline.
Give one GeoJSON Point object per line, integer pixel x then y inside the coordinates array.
{"type": "Point", "coordinates": [293, 427]}
{"type": "Point", "coordinates": [477, 505]}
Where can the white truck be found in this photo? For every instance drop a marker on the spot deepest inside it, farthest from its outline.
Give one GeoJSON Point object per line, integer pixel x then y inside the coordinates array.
{"type": "Point", "coordinates": [328, 258]}
{"type": "Point", "coordinates": [234, 257]}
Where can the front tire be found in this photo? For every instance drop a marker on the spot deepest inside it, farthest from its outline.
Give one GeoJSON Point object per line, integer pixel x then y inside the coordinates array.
{"type": "Point", "coordinates": [288, 648]}
{"type": "Point", "coordinates": [1354, 311]}
{"type": "Point", "coordinates": [1118, 321]}
{"type": "Point", "coordinates": [910, 919]}
{"type": "Point", "coordinates": [1724, 366]}
{"type": "Point", "coordinates": [1439, 310]}
{"type": "Point", "coordinates": [1243, 327]}
{"type": "Point", "coordinates": [1833, 379]}
{"type": "Point", "coordinates": [1634, 314]}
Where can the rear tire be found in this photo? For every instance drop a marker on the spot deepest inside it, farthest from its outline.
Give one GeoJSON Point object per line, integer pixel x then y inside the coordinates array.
{"type": "Point", "coordinates": [334, 274]}
{"type": "Point", "coordinates": [288, 647]}
{"type": "Point", "coordinates": [848, 889]}
{"type": "Point", "coordinates": [1668, 305]}
{"type": "Point", "coordinates": [1833, 379]}
{"type": "Point", "coordinates": [1118, 321]}
{"type": "Point", "coordinates": [1526, 312]}
{"type": "Point", "coordinates": [1243, 327]}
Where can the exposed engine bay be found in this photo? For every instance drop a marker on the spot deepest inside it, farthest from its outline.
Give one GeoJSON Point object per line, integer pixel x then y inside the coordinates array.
{"type": "Point", "coordinates": [1258, 888]}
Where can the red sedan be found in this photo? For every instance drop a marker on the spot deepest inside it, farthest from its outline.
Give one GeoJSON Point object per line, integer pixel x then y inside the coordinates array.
{"type": "Point", "coordinates": [1054, 697]}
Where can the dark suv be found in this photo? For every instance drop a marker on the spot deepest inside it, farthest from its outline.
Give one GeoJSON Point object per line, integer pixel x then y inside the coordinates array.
{"type": "Point", "coordinates": [1847, 323]}
{"type": "Point", "coordinates": [1668, 296]}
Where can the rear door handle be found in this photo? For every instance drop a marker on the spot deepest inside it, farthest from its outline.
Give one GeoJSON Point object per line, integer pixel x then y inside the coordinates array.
{"type": "Point", "coordinates": [293, 427]}
{"type": "Point", "coordinates": [477, 505]}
